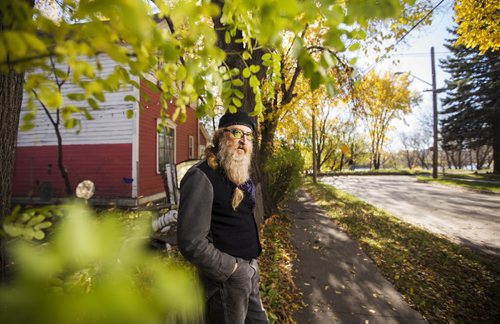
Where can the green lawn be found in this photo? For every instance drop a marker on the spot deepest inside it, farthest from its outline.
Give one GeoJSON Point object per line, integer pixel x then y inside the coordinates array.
{"type": "Point", "coordinates": [445, 282]}
{"type": "Point", "coordinates": [482, 182]}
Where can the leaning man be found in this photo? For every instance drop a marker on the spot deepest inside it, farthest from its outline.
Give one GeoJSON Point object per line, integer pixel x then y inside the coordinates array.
{"type": "Point", "coordinates": [216, 228]}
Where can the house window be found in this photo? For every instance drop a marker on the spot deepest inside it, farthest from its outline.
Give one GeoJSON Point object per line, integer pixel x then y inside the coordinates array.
{"type": "Point", "coordinates": [191, 146]}
{"type": "Point", "coordinates": [165, 148]}
{"type": "Point", "coordinates": [201, 150]}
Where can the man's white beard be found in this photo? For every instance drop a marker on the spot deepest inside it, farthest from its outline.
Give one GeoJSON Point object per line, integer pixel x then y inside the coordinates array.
{"type": "Point", "coordinates": [237, 166]}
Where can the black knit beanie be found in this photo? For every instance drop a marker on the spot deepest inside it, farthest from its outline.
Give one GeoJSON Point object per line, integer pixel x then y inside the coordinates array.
{"type": "Point", "coordinates": [238, 118]}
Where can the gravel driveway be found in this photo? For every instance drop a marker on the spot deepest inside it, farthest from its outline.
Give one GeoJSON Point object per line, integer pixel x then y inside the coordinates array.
{"type": "Point", "coordinates": [465, 216]}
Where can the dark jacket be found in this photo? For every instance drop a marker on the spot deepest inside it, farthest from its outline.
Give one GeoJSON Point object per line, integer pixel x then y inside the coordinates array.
{"type": "Point", "coordinates": [210, 234]}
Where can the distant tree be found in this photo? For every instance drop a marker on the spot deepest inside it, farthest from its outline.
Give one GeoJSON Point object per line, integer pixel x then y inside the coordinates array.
{"type": "Point", "coordinates": [416, 149]}
{"type": "Point", "coordinates": [410, 153]}
{"type": "Point", "coordinates": [471, 108]}
{"type": "Point", "coordinates": [378, 100]}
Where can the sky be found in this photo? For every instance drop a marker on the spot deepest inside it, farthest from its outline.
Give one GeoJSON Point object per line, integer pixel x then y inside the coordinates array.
{"type": "Point", "coordinates": [414, 57]}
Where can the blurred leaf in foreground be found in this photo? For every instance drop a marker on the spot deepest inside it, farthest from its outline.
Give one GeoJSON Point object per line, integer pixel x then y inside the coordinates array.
{"type": "Point", "coordinates": [96, 270]}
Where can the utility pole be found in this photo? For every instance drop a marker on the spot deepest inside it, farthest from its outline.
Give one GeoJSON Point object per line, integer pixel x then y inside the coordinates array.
{"type": "Point", "coordinates": [435, 118]}
{"type": "Point", "coordinates": [434, 112]}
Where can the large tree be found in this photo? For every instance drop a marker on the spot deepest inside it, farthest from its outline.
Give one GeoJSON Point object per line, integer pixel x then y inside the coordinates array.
{"type": "Point", "coordinates": [471, 108]}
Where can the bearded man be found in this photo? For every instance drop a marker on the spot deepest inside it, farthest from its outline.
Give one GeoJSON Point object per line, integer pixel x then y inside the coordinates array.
{"type": "Point", "coordinates": [216, 229]}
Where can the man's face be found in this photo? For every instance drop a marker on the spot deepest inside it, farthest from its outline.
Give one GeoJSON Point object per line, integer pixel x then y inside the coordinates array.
{"type": "Point", "coordinates": [235, 153]}
{"type": "Point", "coordinates": [240, 146]}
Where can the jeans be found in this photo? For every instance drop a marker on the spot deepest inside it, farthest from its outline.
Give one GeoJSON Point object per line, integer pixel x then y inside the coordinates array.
{"type": "Point", "coordinates": [237, 300]}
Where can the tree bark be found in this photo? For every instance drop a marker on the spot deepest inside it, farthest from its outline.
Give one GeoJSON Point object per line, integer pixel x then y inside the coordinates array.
{"type": "Point", "coordinates": [60, 162]}
{"type": "Point", "coordinates": [268, 129]}
{"type": "Point", "coordinates": [496, 142]}
{"type": "Point", "coordinates": [11, 95]}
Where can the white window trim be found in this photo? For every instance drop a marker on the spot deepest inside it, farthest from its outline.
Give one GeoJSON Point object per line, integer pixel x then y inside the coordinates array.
{"type": "Point", "coordinates": [191, 153]}
{"type": "Point", "coordinates": [169, 124]}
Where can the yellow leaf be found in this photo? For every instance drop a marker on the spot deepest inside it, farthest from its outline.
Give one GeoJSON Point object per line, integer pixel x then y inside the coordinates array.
{"type": "Point", "coordinates": [14, 43]}
{"type": "Point", "coordinates": [50, 96]}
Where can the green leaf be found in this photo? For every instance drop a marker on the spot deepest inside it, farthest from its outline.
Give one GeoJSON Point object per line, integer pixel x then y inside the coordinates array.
{"type": "Point", "coordinates": [87, 114]}
{"type": "Point", "coordinates": [39, 235]}
{"type": "Point", "coordinates": [315, 81]}
{"type": "Point", "coordinates": [246, 55]}
{"type": "Point", "coordinates": [60, 74]}
{"type": "Point", "coordinates": [68, 110]}
{"type": "Point", "coordinates": [234, 72]}
{"type": "Point", "coordinates": [130, 113]}
{"type": "Point", "coordinates": [333, 38]}
{"type": "Point", "coordinates": [129, 98]}
{"type": "Point", "coordinates": [181, 73]}
{"type": "Point", "coordinates": [354, 47]}
{"type": "Point", "coordinates": [34, 42]}
{"type": "Point", "coordinates": [227, 37]}
{"type": "Point", "coordinates": [254, 82]}
{"type": "Point", "coordinates": [254, 68]}
{"type": "Point", "coordinates": [92, 103]}
{"type": "Point", "coordinates": [266, 57]}
{"type": "Point", "coordinates": [15, 45]}
{"type": "Point", "coordinates": [238, 93]}
{"type": "Point", "coordinates": [246, 73]}
{"type": "Point", "coordinates": [76, 96]}
{"type": "Point", "coordinates": [70, 123]}
{"type": "Point", "coordinates": [35, 220]}
{"type": "Point", "coordinates": [236, 102]}
{"type": "Point", "coordinates": [26, 127]}
{"type": "Point", "coordinates": [29, 116]}
{"type": "Point", "coordinates": [50, 96]}
{"type": "Point", "coordinates": [237, 82]}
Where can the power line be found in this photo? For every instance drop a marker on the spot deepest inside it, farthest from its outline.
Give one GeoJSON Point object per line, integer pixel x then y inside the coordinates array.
{"type": "Point", "coordinates": [421, 54]}
{"type": "Point", "coordinates": [418, 22]}
{"type": "Point", "coordinates": [402, 37]}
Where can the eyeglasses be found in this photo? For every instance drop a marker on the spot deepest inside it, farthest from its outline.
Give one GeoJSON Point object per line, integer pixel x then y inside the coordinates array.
{"type": "Point", "coordinates": [237, 133]}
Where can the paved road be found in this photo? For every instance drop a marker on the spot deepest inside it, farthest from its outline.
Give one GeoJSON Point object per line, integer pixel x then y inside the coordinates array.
{"type": "Point", "coordinates": [464, 216]}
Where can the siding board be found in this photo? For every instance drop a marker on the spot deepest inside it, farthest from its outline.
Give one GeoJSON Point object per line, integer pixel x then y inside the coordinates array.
{"type": "Point", "coordinates": [109, 126]}
{"type": "Point", "coordinates": [106, 165]}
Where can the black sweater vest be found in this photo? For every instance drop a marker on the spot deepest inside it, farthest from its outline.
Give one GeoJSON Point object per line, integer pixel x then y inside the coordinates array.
{"type": "Point", "coordinates": [231, 231]}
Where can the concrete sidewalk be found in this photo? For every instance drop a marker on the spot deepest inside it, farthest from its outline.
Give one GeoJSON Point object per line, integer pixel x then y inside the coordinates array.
{"type": "Point", "coordinates": [339, 282]}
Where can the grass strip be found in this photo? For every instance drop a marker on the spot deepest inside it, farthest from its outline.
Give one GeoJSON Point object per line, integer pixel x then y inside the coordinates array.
{"type": "Point", "coordinates": [444, 281]}
{"type": "Point", "coordinates": [469, 182]}
{"type": "Point", "coordinates": [280, 295]}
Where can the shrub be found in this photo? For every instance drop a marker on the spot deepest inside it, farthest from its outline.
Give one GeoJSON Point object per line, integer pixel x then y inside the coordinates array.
{"type": "Point", "coordinates": [282, 173]}
{"type": "Point", "coordinates": [95, 270]}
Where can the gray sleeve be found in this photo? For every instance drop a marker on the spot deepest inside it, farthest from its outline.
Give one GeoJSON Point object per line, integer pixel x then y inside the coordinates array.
{"type": "Point", "coordinates": [193, 226]}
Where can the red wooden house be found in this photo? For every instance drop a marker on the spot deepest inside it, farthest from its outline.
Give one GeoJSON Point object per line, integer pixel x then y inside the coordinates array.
{"type": "Point", "coordinates": [122, 156]}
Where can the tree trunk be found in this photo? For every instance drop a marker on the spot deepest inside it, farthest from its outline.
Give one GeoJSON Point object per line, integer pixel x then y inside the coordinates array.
{"type": "Point", "coordinates": [268, 129]}
{"type": "Point", "coordinates": [314, 153]}
{"type": "Point", "coordinates": [234, 59]}
{"type": "Point", "coordinates": [60, 160]}
{"type": "Point", "coordinates": [11, 95]}
{"type": "Point", "coordinates": [496, 143]}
